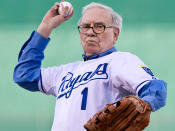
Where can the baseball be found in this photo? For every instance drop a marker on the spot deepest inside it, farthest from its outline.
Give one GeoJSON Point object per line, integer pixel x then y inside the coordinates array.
{"type": "Point", "coordinates": [64, 4]}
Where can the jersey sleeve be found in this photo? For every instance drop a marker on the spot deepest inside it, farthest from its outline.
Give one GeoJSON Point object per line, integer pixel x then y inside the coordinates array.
{"type": "Point", "coordinates": [130, 73]}
{"type": "Point", "coordinates": [49, 79]}
{"type": "Point", "coordinates": [135, 77]}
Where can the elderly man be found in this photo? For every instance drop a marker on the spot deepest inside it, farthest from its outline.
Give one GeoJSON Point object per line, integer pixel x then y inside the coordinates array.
{"type": "Point", "coordinates": [83, 88]}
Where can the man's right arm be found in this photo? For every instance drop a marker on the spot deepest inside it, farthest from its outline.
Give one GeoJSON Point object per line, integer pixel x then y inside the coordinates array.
{"type": "Point", "coordinates": [27, 71]}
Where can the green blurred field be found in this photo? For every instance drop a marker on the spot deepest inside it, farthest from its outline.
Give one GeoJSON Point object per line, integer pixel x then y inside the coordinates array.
{"type": "Point", "coordinates": [21, 110]}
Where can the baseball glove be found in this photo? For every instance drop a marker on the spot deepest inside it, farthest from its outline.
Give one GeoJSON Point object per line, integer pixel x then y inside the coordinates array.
{"type": "Point", "coordinates": [128, 114]}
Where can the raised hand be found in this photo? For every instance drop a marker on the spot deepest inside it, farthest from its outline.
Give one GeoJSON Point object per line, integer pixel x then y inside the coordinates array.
{"type": "Point", "coordinates": [53, 19]}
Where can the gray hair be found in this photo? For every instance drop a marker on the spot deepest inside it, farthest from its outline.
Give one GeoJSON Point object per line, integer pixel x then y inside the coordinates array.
{"type": "Point", "coordinates": [116, 18]}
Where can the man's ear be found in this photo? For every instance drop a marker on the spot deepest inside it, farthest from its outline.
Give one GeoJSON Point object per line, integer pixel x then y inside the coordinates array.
{"type": "Point", "coordinates": [116, 34]}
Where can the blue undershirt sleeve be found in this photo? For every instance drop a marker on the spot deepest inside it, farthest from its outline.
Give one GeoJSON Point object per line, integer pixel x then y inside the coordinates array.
{"type": "Point", "coordinates": [155, 93]}
{"type": "Point", "coordinates": [27, 71]}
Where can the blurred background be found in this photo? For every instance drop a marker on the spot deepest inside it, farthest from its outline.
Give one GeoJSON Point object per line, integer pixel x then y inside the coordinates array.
{"type": "Point", "coordinates": [148, 31]}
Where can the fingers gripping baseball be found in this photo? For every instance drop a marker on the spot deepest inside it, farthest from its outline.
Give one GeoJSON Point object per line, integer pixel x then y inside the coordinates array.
{"type": "Point", "coordinates": [53, 19]}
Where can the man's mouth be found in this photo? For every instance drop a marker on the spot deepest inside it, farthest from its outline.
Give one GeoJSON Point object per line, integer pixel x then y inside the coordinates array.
{"type": "Point", "coordinates": [91, 42]}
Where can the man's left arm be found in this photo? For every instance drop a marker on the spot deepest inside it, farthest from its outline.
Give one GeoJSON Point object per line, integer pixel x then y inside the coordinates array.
{"type": "Point", "coordinates": [155, 93]}
{"type": "Point", "coordinates": [138, 79]}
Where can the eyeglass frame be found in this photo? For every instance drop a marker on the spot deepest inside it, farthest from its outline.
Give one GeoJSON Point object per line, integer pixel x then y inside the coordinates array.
{"type": "Point", "coordinates": [93, 28]}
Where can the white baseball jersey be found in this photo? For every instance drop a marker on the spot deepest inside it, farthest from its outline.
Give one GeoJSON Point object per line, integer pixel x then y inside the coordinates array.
{"type": "Point", "coordinates": [83, 88]}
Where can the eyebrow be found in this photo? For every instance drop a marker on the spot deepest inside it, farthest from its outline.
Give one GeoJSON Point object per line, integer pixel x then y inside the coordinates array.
{"type": "Point", "coordinates": [102, 23]}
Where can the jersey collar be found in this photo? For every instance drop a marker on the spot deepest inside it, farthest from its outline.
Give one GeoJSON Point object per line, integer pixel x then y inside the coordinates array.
{"type": "Point", "coordinates": [113, 49]}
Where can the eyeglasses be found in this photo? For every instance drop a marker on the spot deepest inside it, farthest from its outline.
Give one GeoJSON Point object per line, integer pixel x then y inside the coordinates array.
{"type": "Point", "coordinates": [97, 28]}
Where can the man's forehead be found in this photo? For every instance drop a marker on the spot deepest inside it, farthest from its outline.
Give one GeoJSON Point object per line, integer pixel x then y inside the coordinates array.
{"type": "Point", "coordinates": [97, 15]}
{"type": "Point", "coordinates": [94, 22]}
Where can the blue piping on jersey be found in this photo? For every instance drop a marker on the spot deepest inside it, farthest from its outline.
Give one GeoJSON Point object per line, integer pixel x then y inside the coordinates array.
{"type": "Point", "coordinates": [41, 83]}
{"type": "Point", "coordinates": [155, 93]}
{"type": "Point", "coordinates": [111, 50]}
{"type": "Point", "coordinates": [141, 84]}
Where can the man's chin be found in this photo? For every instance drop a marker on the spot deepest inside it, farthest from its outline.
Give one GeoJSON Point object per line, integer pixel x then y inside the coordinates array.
{"type": "Point", "coordinates": [92, 52]}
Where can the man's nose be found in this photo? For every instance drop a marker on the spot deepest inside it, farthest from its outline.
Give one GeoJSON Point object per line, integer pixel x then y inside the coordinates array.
{"type": "Point", "coordinates": [91, 33]}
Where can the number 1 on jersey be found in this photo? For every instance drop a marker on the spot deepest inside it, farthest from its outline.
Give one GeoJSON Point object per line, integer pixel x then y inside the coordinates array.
{"type": "Point", "coordinates": [84, 99]}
